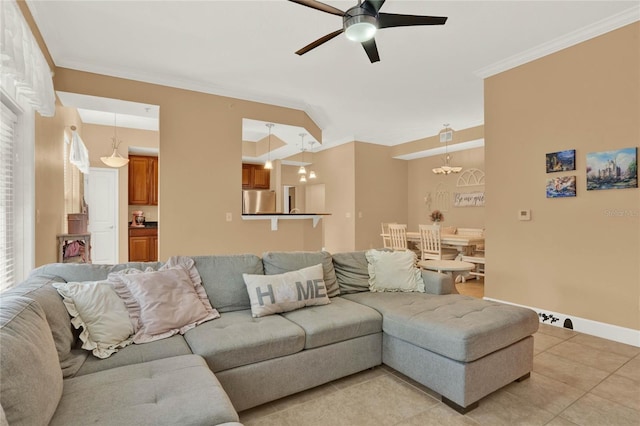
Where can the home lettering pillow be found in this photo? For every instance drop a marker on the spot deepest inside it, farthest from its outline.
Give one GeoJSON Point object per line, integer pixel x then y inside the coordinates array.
{"type": "Point", "coordinates": [393, 271]}
{"type": "Point", "coordinates": [98, 310]}
{"type": "Point", "coordinates": [272, 294]}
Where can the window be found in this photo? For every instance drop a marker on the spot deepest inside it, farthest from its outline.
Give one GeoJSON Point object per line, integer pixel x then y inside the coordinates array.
{"type": "Point", "coordinates": [8, 122]}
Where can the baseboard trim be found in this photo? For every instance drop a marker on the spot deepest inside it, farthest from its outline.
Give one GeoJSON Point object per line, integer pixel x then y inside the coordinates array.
{"type": "Point", "coordinates": [582, 325]}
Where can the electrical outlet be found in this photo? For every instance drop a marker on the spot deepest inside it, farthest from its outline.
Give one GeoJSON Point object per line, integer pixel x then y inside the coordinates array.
{"type": "Point", "coordinates": [229, 217]}
{"type": "Point", "coordinates": [348, 215]}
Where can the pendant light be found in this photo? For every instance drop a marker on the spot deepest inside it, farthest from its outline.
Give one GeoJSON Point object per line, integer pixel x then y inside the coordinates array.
{"type": "Point", "coordinates": [302, 170]}
{"type": "Point", "coordinates": [268, 165]}
{"type": "Point", "coordinates": [115, 160]}
{"type": "Point", "coordinates": [312, 174]}
{"type": "Point", "coordinates": [446, 136]}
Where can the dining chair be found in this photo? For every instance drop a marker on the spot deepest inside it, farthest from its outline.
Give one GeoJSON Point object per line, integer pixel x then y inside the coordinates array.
{"type": "Point", "coordinates": [398, 236]}
{"type": "Point", "coordinates": [431, 244]}
{"type": "Point", "coordinates": [386, 237]}
{"type": "Point", "coordinates": [477, 256]}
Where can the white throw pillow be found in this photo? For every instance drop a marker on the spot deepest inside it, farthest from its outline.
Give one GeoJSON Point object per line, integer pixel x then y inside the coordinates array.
{"type": "Point", "coordinates": [104, 319]}
{"type": "Point", "coordinates": [393, 271]}
{"type": "Point", "coordinates": [272, 294]}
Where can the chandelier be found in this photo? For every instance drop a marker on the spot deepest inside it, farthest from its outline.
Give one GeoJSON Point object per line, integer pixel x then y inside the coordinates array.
{"type": "Point", "coordinates": [446, 136]}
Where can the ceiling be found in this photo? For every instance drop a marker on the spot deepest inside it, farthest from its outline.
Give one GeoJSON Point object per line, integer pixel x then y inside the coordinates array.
{"type": "Point", "coordinates": [427, 75]}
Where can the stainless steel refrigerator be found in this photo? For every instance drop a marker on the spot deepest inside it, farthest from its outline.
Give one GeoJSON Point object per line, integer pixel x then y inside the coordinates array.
{"type": "Point", "coordinates": [257, 201]}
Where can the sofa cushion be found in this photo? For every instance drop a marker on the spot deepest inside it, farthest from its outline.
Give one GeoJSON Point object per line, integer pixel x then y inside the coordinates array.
{"type": "Point", "coordinates": [352, 271]}
{"type": "Point", "coordinates": [281, 262]}
{"type": "Point", "coordinates": [39, 288]}
{"type": "Point", "coordinates": [272, 294]}
{"type": "Point", "coordinates": [236, 339]}
{"type": "Point", "coordinates": [172, 391]}
{"type": "Point", "coordinates": [79, 272]}
{"type": "Point", "coordinates": [96, 308]}
{"type": "Point", "coordinates": [459, 327]}
{"type": "Point", "coordinates": [393, 271]}
{"type": "Point", "coordinates": [341, 320]}
{"type": "Point", "coordinates": [31, 383]}
{"type": "Point", "coordinates": [222, 279]}
{"type": "Point", "coordinates": [138, 354]}
{"type": "Point", "coordinates": [163, 303]}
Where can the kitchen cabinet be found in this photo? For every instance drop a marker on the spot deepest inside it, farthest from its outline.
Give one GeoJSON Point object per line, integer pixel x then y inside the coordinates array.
{"type": "Point", "coordinates": [255, 176]}
{"type": "Point", "coordinates": [143, 244]}
{"type": "Point", "coordinates": [143, 180]}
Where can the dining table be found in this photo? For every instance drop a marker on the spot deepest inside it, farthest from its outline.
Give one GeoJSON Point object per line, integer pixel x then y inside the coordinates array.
{"type": "Point", "coordinates": [464, 243]}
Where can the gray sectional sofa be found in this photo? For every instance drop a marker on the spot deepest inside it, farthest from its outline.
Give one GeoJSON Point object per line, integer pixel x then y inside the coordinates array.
{"type": "Point", "coordinates": [462, 348]}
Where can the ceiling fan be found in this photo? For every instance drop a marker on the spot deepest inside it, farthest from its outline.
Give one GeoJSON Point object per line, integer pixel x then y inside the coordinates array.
{"type": "Point", "coordinates": [361, 22]}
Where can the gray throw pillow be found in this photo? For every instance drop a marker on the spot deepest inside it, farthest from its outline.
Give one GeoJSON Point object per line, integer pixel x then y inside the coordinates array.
{"type": "Point", "coordinates": [352, 271]}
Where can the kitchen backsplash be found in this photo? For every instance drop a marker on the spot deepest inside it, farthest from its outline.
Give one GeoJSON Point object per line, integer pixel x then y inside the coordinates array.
{"type": "Point", "coordinates": [150, 212]}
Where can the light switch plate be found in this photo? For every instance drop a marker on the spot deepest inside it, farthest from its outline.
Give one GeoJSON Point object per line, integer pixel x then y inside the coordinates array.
{"type": "Point", "coordinates": [524, 214]}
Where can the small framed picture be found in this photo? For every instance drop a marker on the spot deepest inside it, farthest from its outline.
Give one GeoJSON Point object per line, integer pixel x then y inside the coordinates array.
{"type": "Point", "coordinates": [612, 169]}
{"type": "Point", "coordinates": [561, 161]}
{"type": "Point", "coordinates": [561, 186]}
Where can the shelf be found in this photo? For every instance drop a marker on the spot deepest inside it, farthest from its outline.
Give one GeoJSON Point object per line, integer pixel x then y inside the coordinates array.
{"type": "Point", "coordinates": [283, 216]}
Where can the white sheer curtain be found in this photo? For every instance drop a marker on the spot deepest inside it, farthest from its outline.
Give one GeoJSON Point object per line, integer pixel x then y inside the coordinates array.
{"type": "Point", "coordinates": [23, 62]}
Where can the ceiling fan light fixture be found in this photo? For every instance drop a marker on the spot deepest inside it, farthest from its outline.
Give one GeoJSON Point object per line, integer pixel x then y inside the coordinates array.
{"type": "Point", "coordinates": [360, 28]}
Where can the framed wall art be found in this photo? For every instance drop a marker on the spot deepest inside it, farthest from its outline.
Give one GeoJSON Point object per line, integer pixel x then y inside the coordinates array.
{"type": "Point", "coordinates": [561, 161]}
{"type": "Point", "coordinates": [561, 186]}
{"type": "Point", "coordinates": [612, 169]}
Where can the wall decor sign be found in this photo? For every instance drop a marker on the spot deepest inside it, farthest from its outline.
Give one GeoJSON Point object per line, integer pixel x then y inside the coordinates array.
{"type": "Point", "coordinates": [468, 199]}
{"type": "Point", "coordinates": [561, 186]}
{"type": "Point", "coordinates": [612, 169]}
{"type": "Point", "coordinates": [561, 161]}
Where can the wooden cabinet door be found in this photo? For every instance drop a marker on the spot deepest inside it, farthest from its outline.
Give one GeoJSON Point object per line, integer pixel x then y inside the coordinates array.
{"type": "Point", "coordinates": [153, 181]}
{"type": "Point", "coordinates": [153, 249]}
{"type": "Point", "coordinates": [261, 178]}
{"type": "Point", "coordinates": [138, 180]}
{"type": "Point", "coordinates": [246, 176]}
{"type": "Point", "coordinates": [139, 248]}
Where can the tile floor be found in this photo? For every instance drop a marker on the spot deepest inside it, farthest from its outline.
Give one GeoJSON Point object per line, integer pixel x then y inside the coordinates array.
{"type": "Point", "coordinates": [577, 379]}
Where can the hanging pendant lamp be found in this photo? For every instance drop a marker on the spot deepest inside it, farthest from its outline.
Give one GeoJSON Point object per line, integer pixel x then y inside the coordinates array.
{"type": "Point", "coordinates": [312, 174]}
{"type": "Point", "coordinates": [115, 160]}
{"type": "Point", "coordinates": [302, 170]}
{"type": "Point", "coordinates": [268, 165]}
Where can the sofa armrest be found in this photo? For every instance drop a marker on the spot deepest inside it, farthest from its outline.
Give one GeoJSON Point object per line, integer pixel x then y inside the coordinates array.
{"type": "Point", "coordinates": [438, 283]}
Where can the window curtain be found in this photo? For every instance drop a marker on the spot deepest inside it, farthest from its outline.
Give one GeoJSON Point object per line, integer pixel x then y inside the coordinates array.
{"type": "Point", "coordinates": [23, 61]}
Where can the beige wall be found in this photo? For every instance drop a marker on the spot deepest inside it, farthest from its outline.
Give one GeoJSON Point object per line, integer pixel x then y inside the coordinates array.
{"type": "Point", "coordinates": [381, 192]}
{"type": "Point", "coordinates": [423, 183]}
{"type": "Point", "coordinates": [98, 140]}
{"type": "Point", "coordinates": [200, 157]}
{"type": "Point", "coordinates": [573, 257]}
{"type": "Point", "coordinates": [49, 181]}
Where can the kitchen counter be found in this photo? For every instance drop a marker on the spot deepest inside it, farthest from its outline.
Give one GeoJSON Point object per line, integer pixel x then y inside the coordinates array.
{"type": "Point", "coordinates": [146, 225]}
{"type": "Point", "coordinates": [274, 217]}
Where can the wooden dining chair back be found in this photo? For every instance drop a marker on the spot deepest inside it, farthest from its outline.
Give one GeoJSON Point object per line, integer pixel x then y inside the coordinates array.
{"type": "Point", "coordinates": [386, 237]}
{"type": "Point", "coordinates": [431, 244]}
{"type": "Point", "coordinates": [398, 236]}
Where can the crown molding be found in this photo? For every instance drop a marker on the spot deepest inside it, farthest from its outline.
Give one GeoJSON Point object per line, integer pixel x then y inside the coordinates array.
{"type": "Point", "coordinates": [578, 36]}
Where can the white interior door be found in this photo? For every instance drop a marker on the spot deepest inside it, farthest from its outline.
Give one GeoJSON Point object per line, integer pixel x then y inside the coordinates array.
{"type": "Point", "coordinates": [101, 194]}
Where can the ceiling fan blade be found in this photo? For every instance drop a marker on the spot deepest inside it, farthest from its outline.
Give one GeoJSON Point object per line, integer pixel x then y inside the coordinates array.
{"type": "Point", "coordinates": [319, 6]}
{"type": "Point", "coordinates": [319, 41]}
{"type": "Point", "coordinates": [373, 5]}
{"type": "Point", "coordinates": [387, 20]}
{"type": "Point", "coordinates": [371, 49]}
